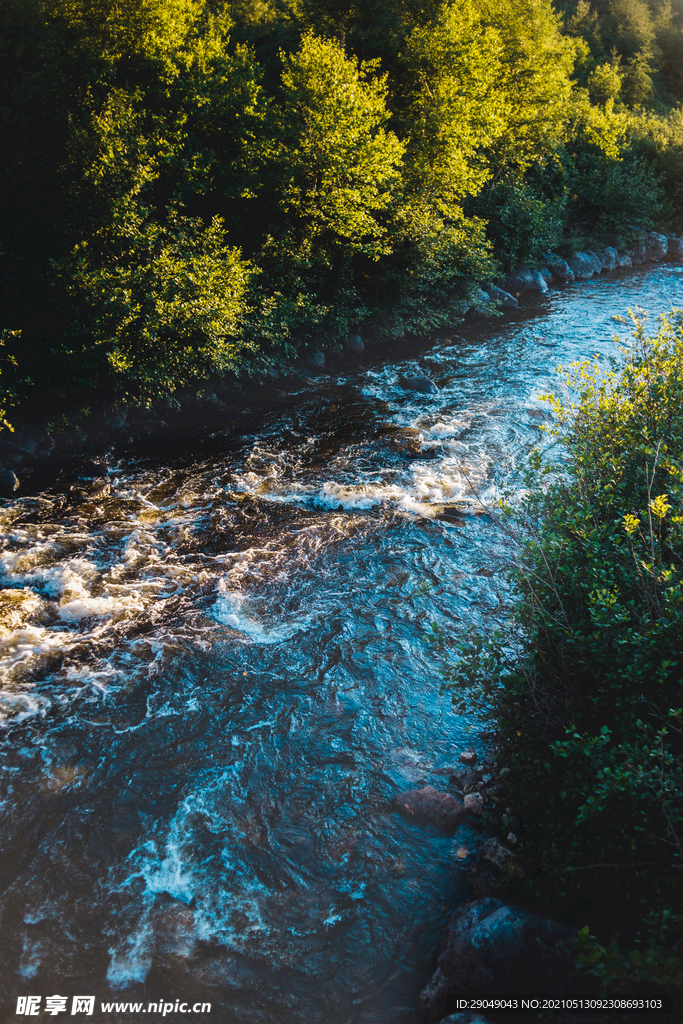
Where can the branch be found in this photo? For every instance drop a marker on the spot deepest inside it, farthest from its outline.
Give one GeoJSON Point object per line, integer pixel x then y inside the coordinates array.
{"type": "Point", "coordinates": [587, 867]}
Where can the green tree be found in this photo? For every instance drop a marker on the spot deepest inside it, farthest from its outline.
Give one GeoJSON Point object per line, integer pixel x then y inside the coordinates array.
{"type": "Point", "coordinates": [158, 299]}
{"type": "Point", "coordinates": [336, 167]}
{"type": "Point", "coordinates": [332, 175]}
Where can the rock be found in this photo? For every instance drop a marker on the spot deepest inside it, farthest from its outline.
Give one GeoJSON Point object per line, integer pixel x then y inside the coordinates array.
{"type": "Point", "coordinates": [316, 360]}
{"type": "Point", "coordinates": [546, 275]}
{"type": "Point", "coordinates": [493, 947]}
{"type": "Point", "coordinates": [540, 283]}
{"type": "Point", "coordinates": [610, 258]}
{"type": "Point", "coordinates": [582, 266]}
{"type": "Point", "coordinates": [9, 483]}
{"type": "Point", "coordinates": [496, 294]}
{"type": "Point", "coordinates": [499, 857]}
{"type": "Point", "coordinates": [656, 245]}
{"type": "Point", "coordinates": [559, 268]}
{"type": "Point", "coordinates": [467, 779]}
{"type": "Point", "coordinates": [474, 804]}
{"type": "Point", "coordinates": [354, 343]}
{"type": "Point", "coordinates": [468, 757]}
{"type": "Point", "coordinates": [406, 440]}
{"type": "Point", "coordinates": [519, 281]}
{"type": "Point", "coordinates": [429, 806]}
{"type": "Point", "coordinates": [481, 879]}
{"type": "Point", "coordinates": [479, 296]}
{"type": "Point", "coordinates": [512, 838]}
{"type": "Point", "coordinates": [595, 260]}
{"type": "Point", "coordinates": [98, 488]}
{"type": "Point", "coordinates": [676, 249]}
{"type": "Point", "coordinates": [624, 261]}
{"type": "Point", "coordinates": [422, 384]}
{"type": "Point", "coordinates": [638, 254]}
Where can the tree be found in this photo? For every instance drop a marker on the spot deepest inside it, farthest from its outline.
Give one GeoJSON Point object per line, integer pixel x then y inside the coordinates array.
{"type": "Point", "coordinates": [334, 167]}
{"type": "Point", "coordinates": [158, 299]}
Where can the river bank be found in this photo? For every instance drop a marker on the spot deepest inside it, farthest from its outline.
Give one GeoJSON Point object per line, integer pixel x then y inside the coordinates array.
{"type": "Point", "coordinates": [31, 455]}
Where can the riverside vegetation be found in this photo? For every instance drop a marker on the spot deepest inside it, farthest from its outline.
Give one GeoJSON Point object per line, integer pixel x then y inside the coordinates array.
{"type": "Point", "coordinates": [585, 682]}
{"type": "Point", "coordinates": [194, 189]}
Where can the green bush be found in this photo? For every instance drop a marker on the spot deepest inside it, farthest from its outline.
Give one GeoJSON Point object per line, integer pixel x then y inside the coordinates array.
{"type": "Point", "coordinates": [586, 682]}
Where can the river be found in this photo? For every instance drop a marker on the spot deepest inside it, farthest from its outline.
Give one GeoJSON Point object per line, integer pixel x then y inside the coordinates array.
{"type": "Point", "coordinates": [215, 680]}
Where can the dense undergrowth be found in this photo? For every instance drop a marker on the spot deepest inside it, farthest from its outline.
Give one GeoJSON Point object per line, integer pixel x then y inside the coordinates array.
{"type": "Point", "coordinates": [586, 682]}
{"type": "Point", "coordinates": [193, 188]}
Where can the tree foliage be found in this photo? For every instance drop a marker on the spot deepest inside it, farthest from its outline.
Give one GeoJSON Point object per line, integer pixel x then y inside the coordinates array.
{"type": "Point", "coordinates": [316, 163]}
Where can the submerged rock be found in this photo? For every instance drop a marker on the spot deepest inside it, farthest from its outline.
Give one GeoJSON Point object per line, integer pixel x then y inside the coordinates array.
{"type": "Point", "coordinates": [493, 947]}
{"type": "Point", "coordinates": [430, 806]}
{"type": "Point", "coordinates": [422, 384]}
{"type": "Point", "coordinates": [406, 440]}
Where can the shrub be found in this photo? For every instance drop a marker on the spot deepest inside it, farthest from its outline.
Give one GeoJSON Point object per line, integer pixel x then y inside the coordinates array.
{"type": "Point", "coordinates": [586, 682]}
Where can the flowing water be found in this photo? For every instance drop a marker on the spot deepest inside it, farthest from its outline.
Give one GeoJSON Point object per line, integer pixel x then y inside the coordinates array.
{"type": "Point", "coordinates": [215, 680]}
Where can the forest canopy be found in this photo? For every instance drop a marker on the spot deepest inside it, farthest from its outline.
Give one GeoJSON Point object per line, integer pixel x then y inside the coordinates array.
{"type": "Point", "coordinates": [194, 188]}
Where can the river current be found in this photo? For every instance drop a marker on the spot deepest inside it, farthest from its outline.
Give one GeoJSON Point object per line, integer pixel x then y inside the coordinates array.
{"type": "Point", "coordinates": [215, 679]}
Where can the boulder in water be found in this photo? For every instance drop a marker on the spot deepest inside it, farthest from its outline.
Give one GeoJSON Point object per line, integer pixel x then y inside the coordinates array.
{"type": "Point", "coordinates": [406, 440]}
{"type": "Point", "coordinates": [496, 294]}
{"type": "Point", "coordinates": [474, 804]}
{"type": "Point", "coordinates": [657, 246]}
{"type": "Point", "coordinates": [428, 806]}
{"type": "Point", "coordinates": [493, 947]}
{"type": "Point", "coordinates": [638, 254]}
{"type": "Point", "coordinates": [595, 260]}
{"type": "Point", "coordinates": [559, 268]}
{"type": "Point", "coordinates": [421, 383]}
{"type": "Point", "coordinates": [609, 258]}
{"type": "Point", "coordinates": [582, 266]}
{"type": "Point", "coordinates": [624, 260]}
{"type": "Point", "coordinates": [519, 281]}
{"type": "Point", "coordinates": [540, 284]}
{"type": "Point", "coordinates": [676, 249]}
